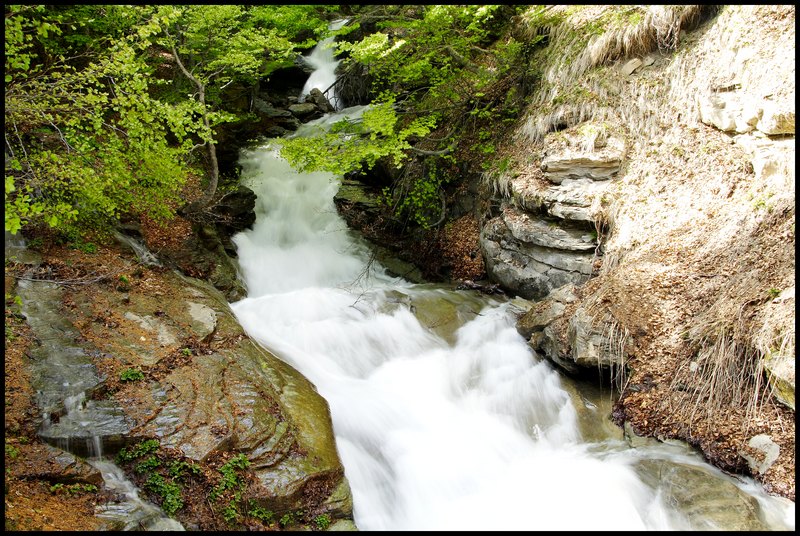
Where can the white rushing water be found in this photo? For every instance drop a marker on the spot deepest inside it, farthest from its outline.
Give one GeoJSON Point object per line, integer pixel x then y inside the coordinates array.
{"type": "Point", "coordinates": [469, 432]}
{"type": "Point", "coordinates": [324, 63]}
{"type": "Point", "coordinates": [478, 434]}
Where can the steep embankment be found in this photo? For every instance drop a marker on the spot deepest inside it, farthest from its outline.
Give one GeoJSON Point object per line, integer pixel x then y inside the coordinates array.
{"type": "Point", "coordinates": [669, 131]}
{"type": "Point", "coordinates": [161, 361]}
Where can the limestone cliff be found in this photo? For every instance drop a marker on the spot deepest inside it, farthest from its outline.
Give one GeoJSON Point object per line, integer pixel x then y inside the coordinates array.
{"type": "Point", "coordinates": [654, 176]}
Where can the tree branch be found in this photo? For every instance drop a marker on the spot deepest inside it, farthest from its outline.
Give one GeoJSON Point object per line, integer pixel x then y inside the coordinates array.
{"type": "Point", "coordinates": [433, 153]}
{"type": "Point", "coordinates": [460, 60]}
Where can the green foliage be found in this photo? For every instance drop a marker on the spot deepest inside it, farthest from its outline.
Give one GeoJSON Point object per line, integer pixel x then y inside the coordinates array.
{"type": "Point", "coordinates": [260, 513]}
{"type": "Point", "coordinates": [144, 448]}
{"type": "Point", "coordinates": [164, 484]}
{"type": "Point", "coordinates": [179, 468]}
{"type": "Point", "coordinates": [11, 451]}
{"type": "Point", "coordinates": [287, 520]}
{"type": "Point", "coordinates": [230, 476]}
{"type": "Point", "coordinates": [322, 521]}
{"type": "Point", "coordinates": [773, 293]}
{"type": "Point", "coordinates": [131, 375]}
{"type": "Point", "coordinates": [351, 144]}
{"type": "Point", "coordinates": [170, 493]}
{"type": "Point", "coordinates": [147, 465]}
{"type": "Point", "coordinates": [86, 140]}
{"type": "Point", "coordinates": [93, 131]}
{"type": "Point", "coordinates": [231, 481]}
{"type": "Point", "coordinates": [230, 512]}
{"type": "Point", "coordinates": [425, 64]}
{"type": "Point", "coordinates": [73, 488]}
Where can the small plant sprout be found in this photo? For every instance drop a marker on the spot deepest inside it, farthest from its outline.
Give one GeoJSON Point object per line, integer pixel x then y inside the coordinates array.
{"type": "Point", "coordinates": [131, 375]}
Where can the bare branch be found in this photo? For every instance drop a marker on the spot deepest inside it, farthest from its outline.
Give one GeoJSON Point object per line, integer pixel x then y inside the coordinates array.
{"type": "Point", "coordinates": [433, 153]}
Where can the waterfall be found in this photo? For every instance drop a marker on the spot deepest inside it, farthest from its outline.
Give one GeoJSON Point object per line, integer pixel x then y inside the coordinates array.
{"type": "Point", "coordinates": [459, 430]}
{"type": "Point", "coordinates": [63, 375]}
{"type": "Point", "coordinates": [322, 60]}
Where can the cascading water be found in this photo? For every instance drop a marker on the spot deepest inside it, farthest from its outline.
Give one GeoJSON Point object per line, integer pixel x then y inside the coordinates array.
{"type": "Point", "coordinates": [324, 63]}
{"type": "Point", "coordinates": [460, 429]}
{"type": "Point", "coordinates": [63, 375]}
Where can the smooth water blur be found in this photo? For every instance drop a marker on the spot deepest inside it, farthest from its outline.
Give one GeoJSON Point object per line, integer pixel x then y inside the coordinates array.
{"type": "Point", "coordinates": [444, 417]}
{"type": "Point", "coordinates": [477, 433]}
{"type": "Point", "coordinates": [324, 63]}
{"type": "Point", "coordinates": [429, 433]}
{"type": "Point", "coordinates": [129, 511]}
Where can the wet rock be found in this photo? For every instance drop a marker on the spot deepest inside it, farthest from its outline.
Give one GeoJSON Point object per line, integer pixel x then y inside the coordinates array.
{"type": "Point", "coordinates": [539, 317]}
{"type": "Point", "coordinates": [580, 342]}
{"type": "Point", "coordinates": [238, 397]}
{"type": "Point", "coordinates": [354, 194]}
{"type": "Point", "coordinates": [591, 341]}
{"type": "Point", "coordinates": [204, 320]}
{"type": "Point", "coordinates": [303, 110]}
{"type": "Point", "coordinates": [343, 525]}
{"type": "Point", "coordinates": [444, 312]}
{"type": "Point", "coordinates": [236, 211]}
{"type": "Point", "coordinates": [708, 503]}
{"type": "Point", "coordinates": [268, 110]}
{"type": "Point", "coordinates": [317, 97]}
{"type": "Point", "coordinates": [155, 326]}
{"type": "Point", "coordinates": [44, 462]}
{"type": "Point", "coordinates": [62, 373]}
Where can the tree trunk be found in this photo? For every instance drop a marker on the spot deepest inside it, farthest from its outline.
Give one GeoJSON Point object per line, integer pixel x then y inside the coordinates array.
{"type": "Point", "coordinates": [213, 175]}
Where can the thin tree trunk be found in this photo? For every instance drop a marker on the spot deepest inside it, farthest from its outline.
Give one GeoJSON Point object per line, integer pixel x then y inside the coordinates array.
{"type": "Point", "coordinates": [213, 178]}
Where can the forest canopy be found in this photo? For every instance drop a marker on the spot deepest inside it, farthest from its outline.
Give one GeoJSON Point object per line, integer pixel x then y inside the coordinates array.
{"type": "Point", "coordinates": [110, 109]}
{"type": "Point", "coordinates": [99, 121]}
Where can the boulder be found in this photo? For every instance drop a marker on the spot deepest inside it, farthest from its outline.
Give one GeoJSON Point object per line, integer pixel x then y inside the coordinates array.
{"type": "Point", "coordinates": [544, 312]}
{"type": "Point", "coordinates": [529, 270]}
{"type": "Point", "coordinates": [236, 210]}
{"type": "Point", "coordinates": [44, 462]}
{"type": "Point", "coordinates": [303, 110]}
{"type": "Point", "coordinates": [708, 503]}
{"type": "Point", "coordinates": [776, 119]}
{"type": "Point", "coordinates": [761, 453]}
{"type": "Point", "coordinates": [729, 112]}
{"type": "Point", "coordinates": [266, 109]}
{"type": "Point", "coordinates": [572, 199]}
{"type": "Point", "coordinates": [630, 66]}
{"type": "Point", "coordinates": [547, 233]}
{"type": "Point", "coordinates": [317, 97]}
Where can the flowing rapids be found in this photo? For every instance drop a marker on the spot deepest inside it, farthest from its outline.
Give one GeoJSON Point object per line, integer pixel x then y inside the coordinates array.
{"type": "Point", "coordinates": [322, 60]}
{"type": "Point", "coordinates": [444, 418]}
{"type": "Point", "coordinates": [437, 430]}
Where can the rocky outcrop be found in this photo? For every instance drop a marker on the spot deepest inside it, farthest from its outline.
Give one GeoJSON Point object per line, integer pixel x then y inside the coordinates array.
{"type": "Point", "coordinates": [570, 336]}
{"type": "Point", "coordinates": [44, 462]}
{"type": "Point", "coordinates": [527, 269]}
{"type": "Point", "coordinates": [545, 236]}
{"type": "Point", "coordinates": [730, 106]}
{"type": "Point", "coordinates": [206, 389]}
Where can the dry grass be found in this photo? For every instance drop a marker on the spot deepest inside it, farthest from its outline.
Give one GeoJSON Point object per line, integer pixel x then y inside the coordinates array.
{"type": "Point", "coordinates": [579, 83]}
{"type": "Point", "coordinates": [699, 237]}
